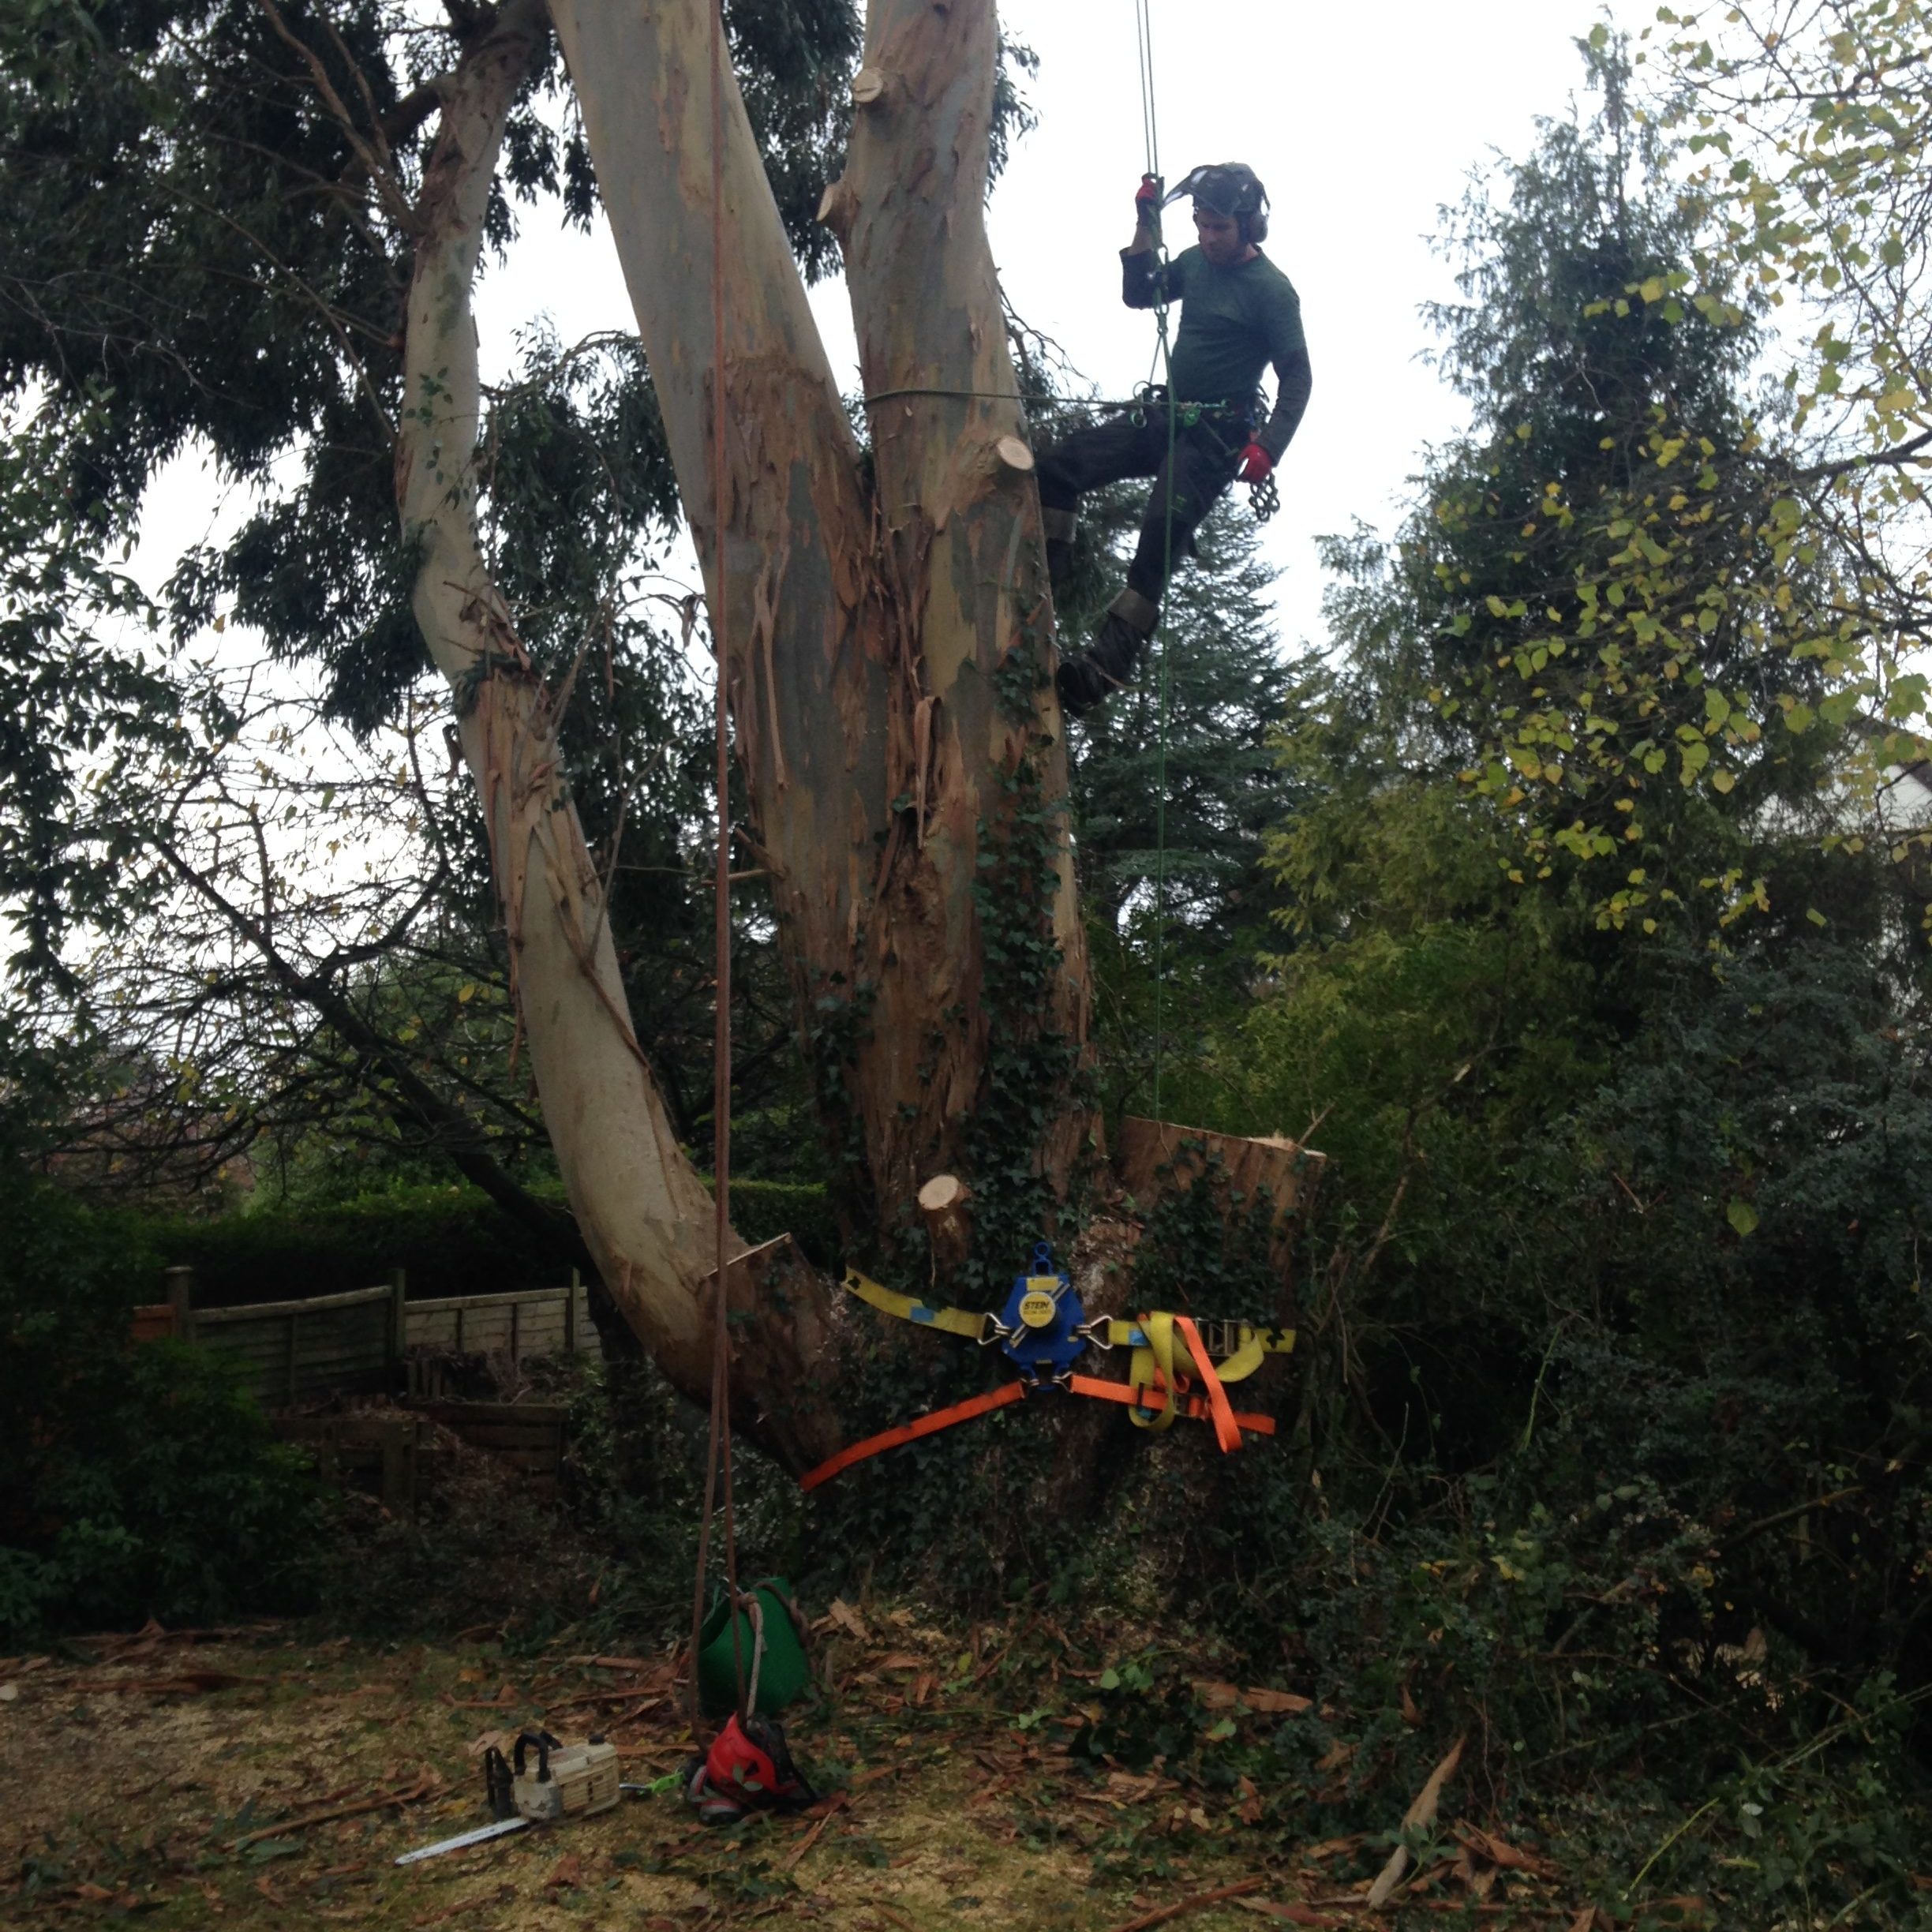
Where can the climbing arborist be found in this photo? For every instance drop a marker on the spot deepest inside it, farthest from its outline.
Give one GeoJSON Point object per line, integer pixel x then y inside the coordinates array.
{"type": "Point", "coordinates": [1238, 313]}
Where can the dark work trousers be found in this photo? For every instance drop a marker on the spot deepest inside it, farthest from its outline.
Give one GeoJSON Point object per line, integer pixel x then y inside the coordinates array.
{"type": "Point", "coordinates": [1204, 460]}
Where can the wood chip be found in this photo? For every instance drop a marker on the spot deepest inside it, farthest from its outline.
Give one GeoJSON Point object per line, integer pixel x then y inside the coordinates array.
{"type": "Point", "coordinates": [495, 1898]}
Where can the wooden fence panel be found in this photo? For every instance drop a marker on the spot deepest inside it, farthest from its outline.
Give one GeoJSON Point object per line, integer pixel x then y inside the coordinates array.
{"type": "Point", "coordinates": [531, 1323]}
{"type": "Point", "coordinates": [292, 1351]}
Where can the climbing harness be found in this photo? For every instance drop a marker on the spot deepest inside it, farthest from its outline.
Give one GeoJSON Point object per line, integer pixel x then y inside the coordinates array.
{"type": "Point", "coordinates": [1152, 398]}
{"type": "Point", "coordinates": [1178, 1366]}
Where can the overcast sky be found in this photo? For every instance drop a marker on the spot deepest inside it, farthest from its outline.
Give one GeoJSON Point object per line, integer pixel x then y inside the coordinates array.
{"type": "Point", "coordinates": [1362, 121]}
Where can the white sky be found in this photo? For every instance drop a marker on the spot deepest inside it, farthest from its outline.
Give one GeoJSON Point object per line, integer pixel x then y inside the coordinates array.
{"type": "Point", "coordinates": [1362, 120]}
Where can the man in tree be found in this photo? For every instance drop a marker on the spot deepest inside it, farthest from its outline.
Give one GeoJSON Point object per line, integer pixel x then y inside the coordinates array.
{"type": "Point", "coordinates": [1239, 312]}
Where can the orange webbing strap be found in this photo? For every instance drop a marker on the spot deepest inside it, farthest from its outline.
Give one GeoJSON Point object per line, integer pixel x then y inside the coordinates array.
{"type": "Point", "coordinates": [1157, 1399]}
{"type": "Point", "coordinates": [912, 1432]}
{"type": "Point", "coordinates": [1225, 1432]}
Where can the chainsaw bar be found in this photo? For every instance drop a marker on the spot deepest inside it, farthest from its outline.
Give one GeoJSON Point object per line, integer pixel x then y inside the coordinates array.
{"type": "Point", "coordinates": [482, 1835]}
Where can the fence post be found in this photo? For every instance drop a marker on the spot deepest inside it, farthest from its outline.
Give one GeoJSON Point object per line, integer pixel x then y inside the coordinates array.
{"type": "Point", "coordinates": [398, 1314]}
{"type": "Point", "coordinates": [397, 1440]}
{"type": "Point", "coordinates": [181, 1298]}
{"type": "Point", "coordinates": [570, 1317]}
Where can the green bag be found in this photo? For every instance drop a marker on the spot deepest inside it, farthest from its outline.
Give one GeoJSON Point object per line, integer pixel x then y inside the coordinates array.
{"type": "Point", "coordinates": [770, 1642]}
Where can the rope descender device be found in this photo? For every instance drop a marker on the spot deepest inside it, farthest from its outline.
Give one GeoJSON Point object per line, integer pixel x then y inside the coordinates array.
{"type": "Point", "coordinates": [1178, 1366]}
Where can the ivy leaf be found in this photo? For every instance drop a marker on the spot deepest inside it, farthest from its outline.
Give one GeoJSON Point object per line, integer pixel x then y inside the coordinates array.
{"type": "Point", "coordinates": [1742, 1216]}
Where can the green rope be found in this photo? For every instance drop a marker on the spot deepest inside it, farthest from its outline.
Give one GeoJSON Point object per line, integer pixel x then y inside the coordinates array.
{"type": "Point", "coordinates": [1143, 39]}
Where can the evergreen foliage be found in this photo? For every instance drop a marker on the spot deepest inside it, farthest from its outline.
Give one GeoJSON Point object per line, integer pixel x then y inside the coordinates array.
{"type": "Point", "coordinates": [1610, 1379]}
{"type": "Point", "coordinates": [134, 1482]}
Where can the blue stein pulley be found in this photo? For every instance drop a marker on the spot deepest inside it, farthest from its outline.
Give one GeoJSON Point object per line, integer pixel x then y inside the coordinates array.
{"type": "Point", "coordinates": [1038, 1330]}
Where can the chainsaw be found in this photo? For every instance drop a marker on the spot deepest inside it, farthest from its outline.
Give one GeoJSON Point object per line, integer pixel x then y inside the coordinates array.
{"type": "Point", "coordinates": [573, 1780]}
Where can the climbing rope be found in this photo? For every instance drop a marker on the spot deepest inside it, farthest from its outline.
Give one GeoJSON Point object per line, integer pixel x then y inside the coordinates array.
{"type": "Point", "coordinates": [1150, 129]}
{"type": "Point", "coordinates": [718, 1448]}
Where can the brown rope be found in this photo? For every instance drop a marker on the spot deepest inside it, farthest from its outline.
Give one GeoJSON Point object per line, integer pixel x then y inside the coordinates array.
{"type": "Point", "coordinates": [718, 1452]}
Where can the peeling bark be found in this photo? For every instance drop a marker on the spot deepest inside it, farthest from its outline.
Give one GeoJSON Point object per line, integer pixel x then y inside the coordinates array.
{"type": "Point", "coordinates": [880, 626]}
{"type": "Point", "coordinates": [643, 1209]}
{"type": "Point", "coordinates": [962, 518]}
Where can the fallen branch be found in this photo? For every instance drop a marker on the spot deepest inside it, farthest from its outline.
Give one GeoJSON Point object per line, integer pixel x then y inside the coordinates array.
{"type": "Point", "coordinates": [411, 1794]}
{"type": "Point", "coordinates": [185, 1683]}
{"type": "Point", "coordinates": [622, 1694]}
{"type": "Point", "coordinates": [1418, 1817]}
{"type": "Point", "coordinates": [152, 1633]}
{"type": "Point", "coordinates": [1489, 1908]}
{"type": "Point", "coordinates": [1197, 1901]}
{"type": "Point", "coordinates": [834, 1807]}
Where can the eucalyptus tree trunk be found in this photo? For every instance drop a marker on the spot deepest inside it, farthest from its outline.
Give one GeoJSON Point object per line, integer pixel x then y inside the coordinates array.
{"type": "Point", "coordinates": [644, 1211]}
{"type": "Point", "coordinates": [887, 634]}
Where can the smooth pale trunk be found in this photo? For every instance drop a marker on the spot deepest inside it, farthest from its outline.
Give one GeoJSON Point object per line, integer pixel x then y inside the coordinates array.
{"type": "Point", "coordinates": [867, 619]}
{"type": "Point", "coordinates": [643, 1209]}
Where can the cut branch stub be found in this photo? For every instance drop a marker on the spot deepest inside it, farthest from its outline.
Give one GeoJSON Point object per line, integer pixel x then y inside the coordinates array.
{"type": "Point", "coordinates": [837, 207]}
{"type": "Point", "coordinates": [868, 85]}
{"type": "Point", "coordinates": [1288, 1170]}
{"type": "Point", "coordinates": [946, 1202]}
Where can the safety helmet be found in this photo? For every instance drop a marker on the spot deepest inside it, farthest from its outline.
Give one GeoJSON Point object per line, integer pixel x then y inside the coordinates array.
{"type": "Point", "coordinates": [748, 1768]}
{"type": "Point", "coordinates": [1230, 188]}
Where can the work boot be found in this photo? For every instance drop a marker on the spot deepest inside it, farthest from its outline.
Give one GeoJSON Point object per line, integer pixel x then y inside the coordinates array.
{"type": "Point", "coordinates": [1108, 666]}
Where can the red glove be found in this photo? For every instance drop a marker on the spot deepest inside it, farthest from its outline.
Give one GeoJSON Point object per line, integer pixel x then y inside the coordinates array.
{"type": "Point", "coordinates": [1256, 463]}
{"type": "Point", "coordinates": [1147, 200]}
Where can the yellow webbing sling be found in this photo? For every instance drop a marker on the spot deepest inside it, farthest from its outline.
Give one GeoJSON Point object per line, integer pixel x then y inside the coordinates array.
{"type": "Point", "coordinates": [909, 1307]}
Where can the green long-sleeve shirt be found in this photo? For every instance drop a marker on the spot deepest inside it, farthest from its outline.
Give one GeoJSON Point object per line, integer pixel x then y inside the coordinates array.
{"type": "Point", "coordinates": [1234, 322]}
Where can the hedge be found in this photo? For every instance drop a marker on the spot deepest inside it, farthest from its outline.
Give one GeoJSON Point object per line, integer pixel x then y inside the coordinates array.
{"type": "Point", "coordinates": [451, 1240]}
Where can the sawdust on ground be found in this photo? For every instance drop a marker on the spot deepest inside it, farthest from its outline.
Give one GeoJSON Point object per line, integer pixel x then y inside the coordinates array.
{"type": "Point", "coordinates": [168, 1778]}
